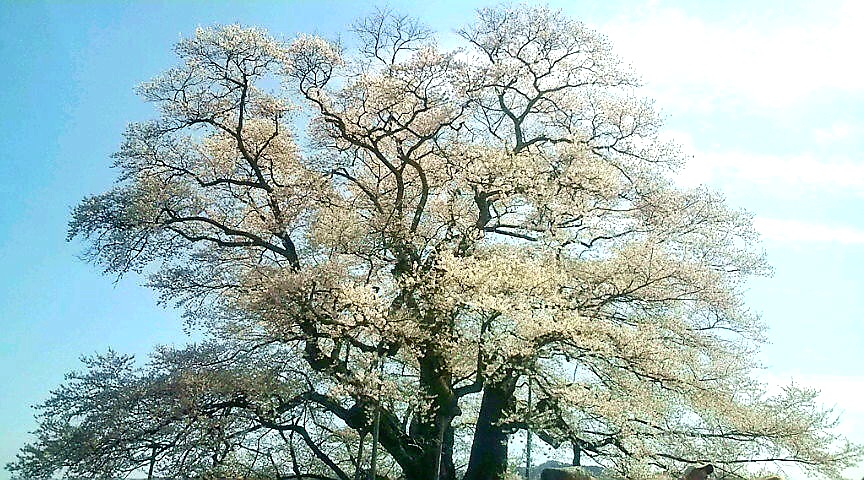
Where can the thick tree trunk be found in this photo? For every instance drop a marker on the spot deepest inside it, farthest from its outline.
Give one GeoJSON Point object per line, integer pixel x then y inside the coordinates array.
{"type": "Point", "coordinates": [489, 451]}
{"type": "Point", "coordinates": [427, 467]}
{"type": "Point", "coordinates": [433, 431]}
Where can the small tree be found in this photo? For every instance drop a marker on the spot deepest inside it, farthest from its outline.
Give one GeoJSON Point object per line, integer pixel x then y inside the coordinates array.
{"type": "Point", "coordinates": [449, 226]}
{"type": "Point", "coordinates": [212, 410]}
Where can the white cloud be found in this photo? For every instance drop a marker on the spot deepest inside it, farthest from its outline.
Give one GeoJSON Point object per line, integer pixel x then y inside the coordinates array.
{"type": "Point", "coordinates": [837, 132]}
{"type": "Point", "coordinates": [692, 63]}
{"type": "Point", "coordinates": [797, 231]}
{"type": "Point", "coordinates": [783, 172]}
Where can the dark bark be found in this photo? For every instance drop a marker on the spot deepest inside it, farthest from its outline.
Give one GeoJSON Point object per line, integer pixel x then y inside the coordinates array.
{"type": "Point", "coordinates": [435, 433]}
{"type": "Point", "coordinates": [488, 459]}
{"type": "Point", "coordinates": [426, 466]}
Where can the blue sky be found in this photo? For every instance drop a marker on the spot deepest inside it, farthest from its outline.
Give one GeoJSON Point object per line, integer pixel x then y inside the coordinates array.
{"type": "Point", "coordinates": [767, 98]}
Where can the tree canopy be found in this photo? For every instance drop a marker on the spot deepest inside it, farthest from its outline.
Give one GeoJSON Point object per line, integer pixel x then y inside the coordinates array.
{"type": "Point", "coordinates": [389, 239]}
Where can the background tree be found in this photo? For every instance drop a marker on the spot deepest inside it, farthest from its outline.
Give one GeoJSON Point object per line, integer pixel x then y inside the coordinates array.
{"type": "Point", "coordinates": [210, 410]}
{"type": "Point", "coordinates": [449, 226]}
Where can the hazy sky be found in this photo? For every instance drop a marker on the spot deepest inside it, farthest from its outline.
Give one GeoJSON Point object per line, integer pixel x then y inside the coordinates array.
{"type": "Point", "coordinates": [767, 97]}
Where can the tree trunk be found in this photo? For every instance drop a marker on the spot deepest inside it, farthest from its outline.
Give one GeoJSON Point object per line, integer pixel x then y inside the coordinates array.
{"type": "Point", "coordinates": [427, 466]}
{"type": "Point", "coordinates": [489, 451]}
{"type": "Point", "coordinates": [434, 432]}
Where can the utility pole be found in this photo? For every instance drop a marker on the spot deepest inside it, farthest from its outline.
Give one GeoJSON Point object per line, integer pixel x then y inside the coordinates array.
{"type": "Point", "coordinates": [373, 462]}
{"type": "Point", "coordinates": [358, 473]}
{"type": "Point", "coordinates": [528, 441]}
{"type": "Point", "coordinates": [152, 463]}
{"type": "Point", "coordinates": [440, 453]}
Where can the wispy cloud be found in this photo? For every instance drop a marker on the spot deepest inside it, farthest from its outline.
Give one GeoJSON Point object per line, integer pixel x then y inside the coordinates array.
{"type": "Point", "coordinates": [838, 132]}
{"type": "Point", "coordinates": [773, 229]}
{"type": "Point", "coordinates": [782, 171]}
{"type": "Point", "coordinates": [690, 62]}
{"type": "Point", "coordinates": [799, 172]}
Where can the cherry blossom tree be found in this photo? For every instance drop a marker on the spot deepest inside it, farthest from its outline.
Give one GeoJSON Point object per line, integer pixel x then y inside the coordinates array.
{"type": "Point", "coordinates": [419, 234]}
{"type": "Point", "coordinates": [209, 410]}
